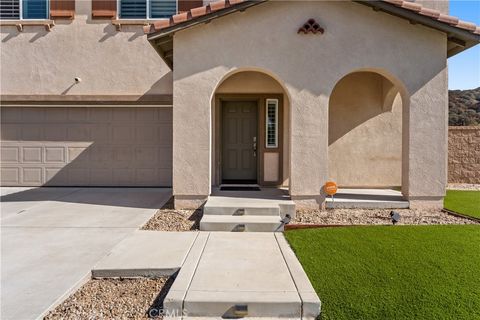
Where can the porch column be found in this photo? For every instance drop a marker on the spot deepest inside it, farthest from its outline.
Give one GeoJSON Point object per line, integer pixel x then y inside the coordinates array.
{"type": "Point", "coordinates": [191, 143]}
{"type": "Point", "coordinates": [425, 144]}
{"type": "Point", "coordinates": [309, 148]}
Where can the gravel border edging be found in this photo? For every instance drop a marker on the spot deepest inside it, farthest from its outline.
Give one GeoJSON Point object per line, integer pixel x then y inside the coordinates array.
{"type": "Point", "coordinates": [115, 298]}
{"type": "Point", "coordinates": [169, 219]}
{"type": "Point", "coordinates": [456, 214]}
{"type": "Point", "coordinates": [349, 217]}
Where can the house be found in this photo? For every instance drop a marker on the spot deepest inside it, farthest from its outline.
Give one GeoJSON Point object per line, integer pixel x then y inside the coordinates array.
{"type": "Point", "coordinates": [277, 93]}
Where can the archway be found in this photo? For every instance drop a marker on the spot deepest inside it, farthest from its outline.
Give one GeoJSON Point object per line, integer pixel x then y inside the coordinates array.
{"type": "Point", "coordinates": [250, 130]}
{"type": "Point", "coordinates": [366, 132]}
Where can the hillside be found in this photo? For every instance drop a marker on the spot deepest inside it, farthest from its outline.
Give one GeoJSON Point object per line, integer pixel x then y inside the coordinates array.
{"type": "Point", "coordinates": [464, 107]}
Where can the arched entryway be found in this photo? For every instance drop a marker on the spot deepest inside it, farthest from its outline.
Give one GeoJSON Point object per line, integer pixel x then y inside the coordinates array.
{"type": "Point", "coordinates": [250, 121]}
{"type": "Point", "coordinates": [365, 136]}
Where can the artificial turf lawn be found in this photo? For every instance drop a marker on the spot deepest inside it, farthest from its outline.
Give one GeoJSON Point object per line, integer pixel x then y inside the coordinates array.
{"type": "Point", "coordinates": [464, 202]}
{"type": "Point", "coordinates": [393, 272]}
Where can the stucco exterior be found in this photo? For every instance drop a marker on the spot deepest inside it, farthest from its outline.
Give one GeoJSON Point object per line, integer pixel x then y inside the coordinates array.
{"type": "Point", "coordinates": [109, 62]}
{"type": "Point", "coordinates": [308, 67]}
{"type": "Point", "coordinates": [365, 133]}
{"type": "Point", "coordinates": [97, 132]}
{"type": "Point", "coordinates": [400, 95]}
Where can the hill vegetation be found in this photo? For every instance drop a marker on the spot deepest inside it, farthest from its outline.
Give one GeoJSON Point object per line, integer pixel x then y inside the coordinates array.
{"type": "Point", "coordinates": [464, 107]}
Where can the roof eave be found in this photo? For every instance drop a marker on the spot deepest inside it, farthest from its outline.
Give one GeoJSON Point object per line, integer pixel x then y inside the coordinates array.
{"type": "Point", "coordinates": [460, 38]}
{"type": "Point", "coordinates": [242, 6]}
{"type": "Point", "coordinates": [164, 37]}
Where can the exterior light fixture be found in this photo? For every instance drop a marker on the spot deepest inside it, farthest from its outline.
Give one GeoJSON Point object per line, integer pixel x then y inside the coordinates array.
{"type": "Point", "coordinates": [395, 216]}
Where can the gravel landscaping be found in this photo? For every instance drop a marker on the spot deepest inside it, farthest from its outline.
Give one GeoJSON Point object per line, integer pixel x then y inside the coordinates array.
{"type": "Point", "coordinates": [375, 217]}
{"type": "Point", "coordinates": [463, 186]}
{"type": "Point", "coordinates": [169, 219]}
{"type": "Point", "coordinates": [139, 298]}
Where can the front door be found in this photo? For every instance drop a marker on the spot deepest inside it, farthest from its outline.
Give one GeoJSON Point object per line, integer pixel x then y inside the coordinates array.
{"type": "Point", "coordinates": [239, 142]}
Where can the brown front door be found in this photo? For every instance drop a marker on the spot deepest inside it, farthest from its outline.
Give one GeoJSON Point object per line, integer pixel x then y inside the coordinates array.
{"type": "Point", "coordinates": [239, 139]}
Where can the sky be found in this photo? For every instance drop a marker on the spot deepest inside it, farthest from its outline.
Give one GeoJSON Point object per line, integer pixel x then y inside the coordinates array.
{"type": "Point", "coordinates": [464, 68]}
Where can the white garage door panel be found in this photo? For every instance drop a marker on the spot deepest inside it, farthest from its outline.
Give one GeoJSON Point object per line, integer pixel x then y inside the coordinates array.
{"type": "Point", "coordinates": [86, 146]}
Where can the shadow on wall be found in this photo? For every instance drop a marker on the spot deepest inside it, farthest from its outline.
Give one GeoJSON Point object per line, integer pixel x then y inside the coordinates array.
{"type": "Point", "coordinates": [11, 32]}
{"type": "Point", "coordinates": [365, 132]}
{"type": "Point", "coordinates": [164, 84]}
{"type": "Point", "coordinates": [357, 98]}
{"type": "Point", "coordinates": [110, 31]}
{"type": "Point", "coordinates": [37, 31]}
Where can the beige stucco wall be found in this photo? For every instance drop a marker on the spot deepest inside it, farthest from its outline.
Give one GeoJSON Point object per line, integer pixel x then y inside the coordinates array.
{"type": "Point", "coordinates": [249, 82]}
{"type": "Point", "coordinates": [109, 62]}
{"type": "Point", "coordinates": [365, 136]}
{"type": "Point", "coordinates": [309, 66]}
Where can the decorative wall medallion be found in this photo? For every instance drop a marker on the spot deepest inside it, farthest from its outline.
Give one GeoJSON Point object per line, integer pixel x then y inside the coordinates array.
{"type": "Point", "coordinates": [311, 26]}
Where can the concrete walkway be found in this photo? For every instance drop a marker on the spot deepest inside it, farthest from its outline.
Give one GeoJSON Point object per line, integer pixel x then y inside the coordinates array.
{"type": "Point", "coordinates": [52, 237]}
{"type": "Point", "coordinates": [222, 274]}
{"type": "Point", "coordinates": [146, 254]}
{"type": "Point", "coordinates": [230, 274]}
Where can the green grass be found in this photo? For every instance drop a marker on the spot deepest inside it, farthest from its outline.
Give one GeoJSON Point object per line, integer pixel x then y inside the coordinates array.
{"type": "Point", "coordinates": [464, 202]}
{"type": "Point", "coordinates": [393, 272]}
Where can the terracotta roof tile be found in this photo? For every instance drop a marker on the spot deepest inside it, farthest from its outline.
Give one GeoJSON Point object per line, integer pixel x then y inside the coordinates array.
{"type": "Point", "coordinates": [180, 17]}
{"type": "Point", "coordinates": [161, 24]}
{"type": "Point", "coordinates": [223, 4]}
{"type": "Point", "coordinates": [395, 2]}
{"type": "Point", "coordinates": [430, 13]}
{"type": "Point", "coordinates": [466, 25]}
{"type": "Point", "coordinates": [448, 19]}
{"type": "Point", "coordinates": [412, 6]}
{"type": "Point", "coordinates": [434, 14]}
{"type": "Point", "coordinates": [200, 11]}
{"type": "Point", "coordinates": [218, 5]}
{"type": "Point", "coordinates": [193, 14]}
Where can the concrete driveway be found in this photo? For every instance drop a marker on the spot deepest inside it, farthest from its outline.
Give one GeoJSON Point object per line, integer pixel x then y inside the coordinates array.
{"type": "Point", "coordinates": [52, 237]}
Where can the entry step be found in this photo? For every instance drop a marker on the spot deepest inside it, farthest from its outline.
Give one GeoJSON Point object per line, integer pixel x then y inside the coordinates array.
{"type": "Point", "coordinates": [240, 209]}
{"type": "Point", "coordinates": [243, 223]}
{"type": "Point", "coordinates": [253, 203]}
{"type": "Point", "coordinates": [367, 199]}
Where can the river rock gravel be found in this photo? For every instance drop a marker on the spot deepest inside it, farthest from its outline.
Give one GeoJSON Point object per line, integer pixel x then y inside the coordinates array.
{"type": "Point", "coordinates": [169, 219]}
{"type": "Point", "coordinates": [375, 217]}
{"type": "Point", "coordinates": [139, 298]}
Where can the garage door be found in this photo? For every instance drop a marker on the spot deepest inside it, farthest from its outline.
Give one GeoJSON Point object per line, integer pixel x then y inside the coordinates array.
{"type": "Point", "coordinates": [86, 146]}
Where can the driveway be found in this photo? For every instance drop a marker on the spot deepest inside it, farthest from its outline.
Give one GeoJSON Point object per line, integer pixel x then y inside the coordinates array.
{"type": "Point", "coordinates": [52, 237]}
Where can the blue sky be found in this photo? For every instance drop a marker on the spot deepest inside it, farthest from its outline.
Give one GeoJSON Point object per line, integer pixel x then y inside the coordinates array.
{"type": "Point", "coordinates": [464, 68]}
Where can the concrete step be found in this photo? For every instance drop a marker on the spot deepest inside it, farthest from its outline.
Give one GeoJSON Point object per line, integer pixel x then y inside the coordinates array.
{"type": "Point", "coordinates": [247, 223]}
{"type": "Point", "coordinates": [240, 209]}
{"type": "Point", "coordinates": [355, 204]}
{"type": "Point", "coordinates": [367, 199]}
{"type": "Point", "coordinates": [236, 304]}
{"type": "Point", "coordinates": [237, 205]}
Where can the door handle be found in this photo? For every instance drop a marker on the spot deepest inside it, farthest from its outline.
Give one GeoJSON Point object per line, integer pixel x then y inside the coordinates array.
{"type": "Point", "coordinates": [254, 146]}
